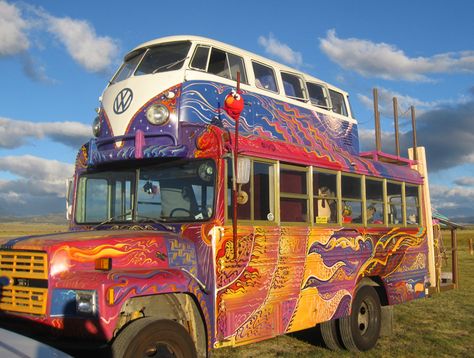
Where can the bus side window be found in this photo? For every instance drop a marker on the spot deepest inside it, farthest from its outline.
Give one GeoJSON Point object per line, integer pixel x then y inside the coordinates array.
{"type": "Point", "coordinates": [199, 60]}
{"type": "Point", "coordinates": [293, 86]}
{"type": "Point", "coordinates": [226, 65]}
{"type": "Point", "coordinates": [412, 205]}
{"type": "Point", "coordinates": [338, 104]}
{"type": "Point", "coordinates": [293, 195]}
{"type": "Point", "coordinates": [317, 95]}
{"type": "Point", "coordinates": [394, 196]}
{"type": "Point", "coordinates": [351, 199]}
{"type": "Point", "coordinates": [375, 201]}
{"type": "Point", "coordinates": [264, 77]}
{"type": "Point", "coordinates": [325, 197]}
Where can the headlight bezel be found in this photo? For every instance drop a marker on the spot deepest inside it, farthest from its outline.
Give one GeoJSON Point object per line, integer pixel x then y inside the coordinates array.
{"type": "Point", "coordinates": [96, 126]}
{"type": "Point", "coordinates": [157, 114]}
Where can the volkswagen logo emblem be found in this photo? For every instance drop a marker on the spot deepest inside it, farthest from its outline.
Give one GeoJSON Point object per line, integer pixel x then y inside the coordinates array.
{"type": "Point", "coordinates": [123, 100]}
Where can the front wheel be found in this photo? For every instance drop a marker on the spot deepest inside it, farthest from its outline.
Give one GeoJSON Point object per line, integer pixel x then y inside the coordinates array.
{"type": "Point", "coordinates": [360, 330]}
{"type": "Point", "coordinates": [148, 337]}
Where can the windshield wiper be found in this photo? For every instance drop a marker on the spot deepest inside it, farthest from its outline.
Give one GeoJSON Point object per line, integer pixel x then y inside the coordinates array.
{"type": "Point", "coordinates": [143, 219]}
{"type": "Point", "coordinates": [113, 218]}
{"type": "Point", "coordinates": [169, 65]}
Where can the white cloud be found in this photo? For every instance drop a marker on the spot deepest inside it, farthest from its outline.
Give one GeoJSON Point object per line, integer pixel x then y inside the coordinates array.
{"type": "Point", "coordinates": [280, 50]}
{"type": "Point", "coordinates": [39, 187]}
{"type": "Point", "coordinates": [13, 37]}
{"type": "Point", "coordinates": [31, 167]}
{"type": "Point", "coordinates": [14, 133]}
{"type": "Point", "coordinates": [94, 53]}
{"type": "Point", "coordinates": [388, 62]}
{"type": "Point", "coordinates": [465, 181]}
{"type": "Point", "coordinates": [404, 102]}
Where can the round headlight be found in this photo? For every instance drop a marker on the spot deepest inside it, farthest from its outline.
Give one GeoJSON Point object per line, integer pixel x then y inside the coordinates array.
{"type": "Point", "coordinates": [157, 114]}
{"type": "Point", "coordinates": [96, 126]}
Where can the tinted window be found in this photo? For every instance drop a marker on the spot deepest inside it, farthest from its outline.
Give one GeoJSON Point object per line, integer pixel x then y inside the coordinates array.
{"type": "Point", "coordinates": [317, 94]}
{"type": "Point", "coordinates": [219, 65]}
{"type": "Point", "coordinates": [351, 199]}
{"type": "Point", "coordinates": [375, 203]}
{"type": "Point", "coordinates": [200, 58]}
{"type": "Point", "coordinates": [338, 104]}
{"type": "Point", "coordinates": [293, 85]}
{"type": "Point", "coordinates": [128, 67]}
{"type": "Point", "coordinates": [394, 197]}
{"type": "Point", "coordinates": [325, 197]}
{"type": "Point", "coordinates": [264, 77]}
{"type": "Point", "coordinates": [162, 58]}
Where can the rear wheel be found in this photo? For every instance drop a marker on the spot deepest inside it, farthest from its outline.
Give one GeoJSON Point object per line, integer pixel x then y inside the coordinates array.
{"type": "Point", "coordinates": [360, 330]}
{"type": "Point", "coordinates": [148, 337]}
{"type": "Point", "coordinates": [329, 332]}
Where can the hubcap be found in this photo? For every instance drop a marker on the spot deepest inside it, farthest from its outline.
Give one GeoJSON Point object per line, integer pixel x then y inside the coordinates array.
{"type": "Point", "coordinates": [363, 318]}
{"type": "Point", "coordinates": [159, 349]}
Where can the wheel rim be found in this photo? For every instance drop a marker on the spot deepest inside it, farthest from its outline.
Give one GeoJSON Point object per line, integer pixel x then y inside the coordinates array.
{"type": "Point", "coordinates": [160, 349]}
{"type": "Point", "coordinates": [363, 318]}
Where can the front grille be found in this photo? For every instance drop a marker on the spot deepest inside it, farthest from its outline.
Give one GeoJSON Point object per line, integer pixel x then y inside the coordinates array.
{"type": "Point", "coordinates": [25, 281]}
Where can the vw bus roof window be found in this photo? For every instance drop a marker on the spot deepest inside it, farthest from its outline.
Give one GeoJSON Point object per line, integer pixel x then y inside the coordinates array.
{"type": "Point", "coordinates": [264, 77]}
{"type": "Point", "coordinates": [129, 66]}
{"type": "Point", "coordinates": [162, 58]}
{"type": "Point", "coordinates": [318, 95]}
{"type": "Point", "coordinates": [293, 86]}
{"type": "Point", "coordinates": [338, 103]}
{"type": "Point", "coordinates": [220, 63]}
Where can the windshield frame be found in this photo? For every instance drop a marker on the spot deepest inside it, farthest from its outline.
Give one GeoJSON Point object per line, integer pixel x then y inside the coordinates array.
{"type": "Point", "coordinates": [132, 215]}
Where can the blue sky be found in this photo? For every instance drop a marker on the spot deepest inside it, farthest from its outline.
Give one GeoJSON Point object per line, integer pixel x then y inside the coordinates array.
{"type": "Point", "coordinates": [56, 58]}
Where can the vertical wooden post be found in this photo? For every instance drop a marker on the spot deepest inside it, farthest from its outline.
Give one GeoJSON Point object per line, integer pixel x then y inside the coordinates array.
{"type": "Point", "coordinates": [413, 124]}
{"type": "Point", "coordinates": [378, 146]}
{"type": "Point", "coordinates": [395, 119]}
{"type": "Point", "coordinates": [471, 248]}
{"type": "Point", "coordinates": [454, 258]}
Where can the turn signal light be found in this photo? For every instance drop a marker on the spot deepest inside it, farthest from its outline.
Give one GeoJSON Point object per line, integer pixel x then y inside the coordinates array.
{"type": "Point", "coordinates": [103, 264]}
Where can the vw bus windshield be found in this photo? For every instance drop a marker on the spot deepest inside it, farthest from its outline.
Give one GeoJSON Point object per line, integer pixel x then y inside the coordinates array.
{"type": "Point", "coordinates": [159, 58]}
{"type": "Point", "coordinates": [168, 192]}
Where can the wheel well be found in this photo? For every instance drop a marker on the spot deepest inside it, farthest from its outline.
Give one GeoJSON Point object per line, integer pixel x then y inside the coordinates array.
{"type": "Point", "coordinates": [377, 283]}
{"type": "Point", "coordinates": [178, 307]}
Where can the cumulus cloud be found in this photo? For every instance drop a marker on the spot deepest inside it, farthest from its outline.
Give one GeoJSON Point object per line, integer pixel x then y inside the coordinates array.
{"type": "Point", "coordinates": [385, 99]}
{"type": "Point", "coordinates": [15, 133]}
{"type": "Point", "coordinates": [91, 51]}
{"type": "Point", "coordinates": [39, 186]}
{"type": "Point", "coordinates": [94, 53]}
{"type": "Point", "coordinates": [453, 201]}
{"type": "Point", "coordinates": [13, 30]}
{"type": "Point", "coordinates": [388, 62]}
{"type": "Point", "coordinates": [447, 133]}
{"type": "Point", "coordinates": [280, 50]}
{"type": "Point", "coordinates": [465, 181]}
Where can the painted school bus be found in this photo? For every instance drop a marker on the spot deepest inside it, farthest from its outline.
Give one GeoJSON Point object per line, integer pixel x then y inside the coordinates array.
{"type": "Point", "coordinates": [223, 201]}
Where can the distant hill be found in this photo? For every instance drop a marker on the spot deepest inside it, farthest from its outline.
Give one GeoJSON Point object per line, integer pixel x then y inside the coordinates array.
{"type": "Point", "coordinates": [58, 218]}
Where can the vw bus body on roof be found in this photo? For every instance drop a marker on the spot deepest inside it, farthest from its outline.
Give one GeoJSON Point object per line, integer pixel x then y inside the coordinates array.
{"type": "Point", "coordinates": [162, 255]}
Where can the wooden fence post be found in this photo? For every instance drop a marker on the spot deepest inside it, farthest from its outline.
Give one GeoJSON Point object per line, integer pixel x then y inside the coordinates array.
{"type": "Point", "coordinates": [471, 248]}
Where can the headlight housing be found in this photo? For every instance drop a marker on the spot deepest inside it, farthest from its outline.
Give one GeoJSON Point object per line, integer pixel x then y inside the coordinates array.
{"type": "Point", "coordinates": [86, 303]}
{"type": "Point", "coordinates": [157, 114]}
{"type": "Point", "coordinates": [96, 126]}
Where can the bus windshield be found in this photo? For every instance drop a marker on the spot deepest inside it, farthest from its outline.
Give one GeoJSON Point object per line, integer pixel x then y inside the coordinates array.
{"type": "Point", "coordinates": [160, 58]}
{"type": "Point", "coordinates": [170, 192]}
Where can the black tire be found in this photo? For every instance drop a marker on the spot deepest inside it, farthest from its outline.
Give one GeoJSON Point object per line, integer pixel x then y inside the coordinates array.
{"type": "Point", "coordinates": [149, 337]}
{"type": "Point", "coordinates": [361, 329]}
{"type": "Point", "coordinates": [330, 335]}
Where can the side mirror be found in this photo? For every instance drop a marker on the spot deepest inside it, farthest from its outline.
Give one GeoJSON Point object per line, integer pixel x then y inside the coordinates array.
{"type": "Point", "coordinates": [69, 196]}
{"type": "Point", "coordinates": [243, 170]}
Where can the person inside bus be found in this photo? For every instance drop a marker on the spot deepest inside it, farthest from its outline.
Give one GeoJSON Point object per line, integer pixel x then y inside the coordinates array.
{"type": "Point", "coordinates": [371, 210]}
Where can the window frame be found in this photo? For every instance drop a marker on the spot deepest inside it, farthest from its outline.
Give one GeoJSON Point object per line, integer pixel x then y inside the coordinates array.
{"type": "Point", "coordinates": [274, 77]}
{"type": "Point", "coordinates": [304, 90]}
{"type": "Point", "coordinates": [307, 196]}
{"type": "Point", "coordinates": [343, 102]}
{"type": "Point", "coordinates": [418, 206]}
{"type": "Point", "coordinates": [272, 196]}
{"type": "Point", "coordinates": [316, 197]}
{"type": "Point", "coordinates": [361, 200]}
{"type": "Point", "coordinates": [325, 92]}
{"type": "Point", "coordinates": [383, 201]}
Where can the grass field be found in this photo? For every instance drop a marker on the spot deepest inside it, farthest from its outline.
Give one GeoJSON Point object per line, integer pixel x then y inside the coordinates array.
{"type": "Point", "coordinates": [439, 326]}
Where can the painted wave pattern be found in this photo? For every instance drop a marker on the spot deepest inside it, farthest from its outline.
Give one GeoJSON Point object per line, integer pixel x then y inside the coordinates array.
{"type": "Point", "coordinates": [287, 280]}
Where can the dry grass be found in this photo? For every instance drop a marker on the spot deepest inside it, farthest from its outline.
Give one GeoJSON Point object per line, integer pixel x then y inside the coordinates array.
{"type": "Point", "coordinates": [439, 326]}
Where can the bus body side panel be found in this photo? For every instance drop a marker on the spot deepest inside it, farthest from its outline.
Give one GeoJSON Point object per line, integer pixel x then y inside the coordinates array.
{"type": "Point", "coordinates": [292, 277]}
